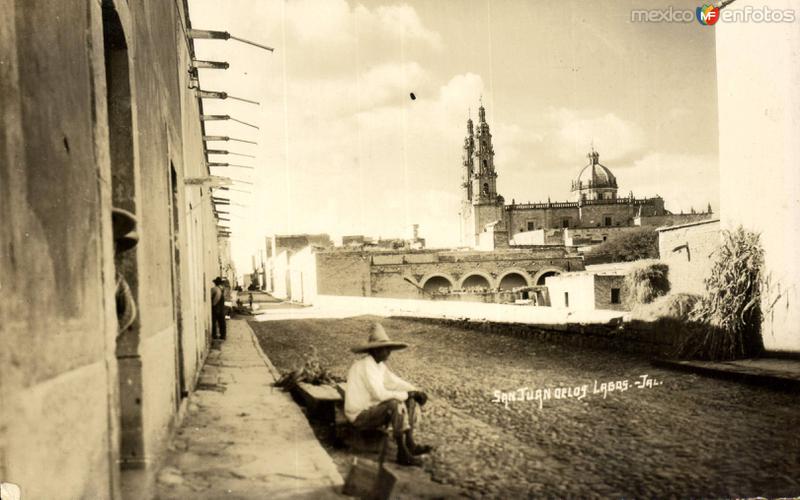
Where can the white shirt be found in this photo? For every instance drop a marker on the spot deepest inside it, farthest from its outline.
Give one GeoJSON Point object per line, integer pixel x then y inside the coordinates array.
{"type": "Point", "coordinates": [369, 383]}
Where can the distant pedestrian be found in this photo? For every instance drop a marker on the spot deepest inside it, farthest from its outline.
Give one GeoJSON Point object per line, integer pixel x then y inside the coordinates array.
{"type": "Point", "coordinates": [251, 301]}
{"type": "Point", "coordinates": [218, 310]}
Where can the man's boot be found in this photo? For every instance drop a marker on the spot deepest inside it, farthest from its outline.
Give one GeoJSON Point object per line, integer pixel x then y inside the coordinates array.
{"type": "Point", "coordinates": [413, 447]}
{"type": "Point", "coordinates": [404, 456]}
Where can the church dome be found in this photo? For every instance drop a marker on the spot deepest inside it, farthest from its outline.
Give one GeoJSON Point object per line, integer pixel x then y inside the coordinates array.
{"type": "Point", "coordinates": [594, 175]}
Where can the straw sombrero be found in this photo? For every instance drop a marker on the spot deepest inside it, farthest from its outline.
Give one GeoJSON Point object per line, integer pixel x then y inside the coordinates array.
{"type": "Point", "coordinates": [124, 227]}
{"type": "Point", "coordinates": [378, 339]}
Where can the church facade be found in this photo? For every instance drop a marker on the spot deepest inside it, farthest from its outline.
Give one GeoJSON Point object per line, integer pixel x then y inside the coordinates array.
{"type": "Point", "coordinates": [594, 213]}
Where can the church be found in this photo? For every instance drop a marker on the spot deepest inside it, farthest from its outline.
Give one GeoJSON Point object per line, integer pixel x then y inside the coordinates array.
{"type": "Point", "coordinates": [594, 213]}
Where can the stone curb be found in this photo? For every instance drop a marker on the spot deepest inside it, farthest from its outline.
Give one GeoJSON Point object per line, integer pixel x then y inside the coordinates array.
{"type": "Point", "coordinates": [733, 373]}
{"type": "Point", "coordinates": [253, 338]}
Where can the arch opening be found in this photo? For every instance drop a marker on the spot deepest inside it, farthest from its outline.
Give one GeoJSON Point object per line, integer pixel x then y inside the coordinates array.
{"type": "Point", "coordinates": [541, 279]}
{"type": "Point", "coordinates": [475, 281]}
{"type": "Point", "coordinates": [511, 281]}
{"type": "Point", "coordinates": [437, 284]}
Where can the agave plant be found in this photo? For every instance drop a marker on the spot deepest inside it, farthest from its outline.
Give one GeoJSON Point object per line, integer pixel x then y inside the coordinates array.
{"type": "Point", "coordinates": [728, 318]}
{"type": "Point", "coordinates": [310, 372]}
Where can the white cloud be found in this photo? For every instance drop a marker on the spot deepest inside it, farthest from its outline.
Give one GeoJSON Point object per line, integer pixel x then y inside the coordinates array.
{"type": "Point", "coordinates": [402, 21]}
{"type": "Point", "coordinates": [328, 23]}
{"type": "Point", "coordinates": [684, 181]}
{"type": "Point", "coordinates": [359, 158]}
{"type": "Point", "coordinates": [320, 21]}
{"type": "Point", "coordinates": [387, 82]}
{"type": "Point", "coordinates": [573, 134]}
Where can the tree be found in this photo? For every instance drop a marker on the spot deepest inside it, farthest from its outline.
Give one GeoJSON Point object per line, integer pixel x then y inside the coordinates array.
{"type": "Point", "coordinates": [625, 247]}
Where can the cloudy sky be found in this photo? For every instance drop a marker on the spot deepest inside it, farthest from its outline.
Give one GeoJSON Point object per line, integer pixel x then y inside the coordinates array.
{"type": "Point", "coordinates": [344, 150]}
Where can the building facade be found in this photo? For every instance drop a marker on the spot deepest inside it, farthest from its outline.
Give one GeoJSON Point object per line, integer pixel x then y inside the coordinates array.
{"type": "Point", "coordinates": [759, 152]}
{"type": "Point", "coordinates": [98, 115]}
{"type": "Point", "coordinates": [596, 209]}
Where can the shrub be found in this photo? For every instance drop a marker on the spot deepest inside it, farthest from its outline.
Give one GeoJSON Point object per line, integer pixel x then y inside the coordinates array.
{"type": "Point", "coordinates": [646, 282]}
{"type": "Point", "coordinates": [678, 306]}
{"type": "Point", "coordinates": [729, 315]}
{"type": "Point", "coordinates": [625, 247]}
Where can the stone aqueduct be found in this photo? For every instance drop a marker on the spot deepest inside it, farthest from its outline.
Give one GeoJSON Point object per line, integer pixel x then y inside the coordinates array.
{"type": "Point", "coordinates": [412, 274]}
{"type": "Point", "coordinates": [507, 280]}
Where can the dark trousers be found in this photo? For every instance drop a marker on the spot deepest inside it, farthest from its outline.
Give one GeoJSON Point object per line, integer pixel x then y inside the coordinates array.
{"type": "Point", "coordinates": [218, 321]}
{"type": "Point", "coordinates": [402, 415]}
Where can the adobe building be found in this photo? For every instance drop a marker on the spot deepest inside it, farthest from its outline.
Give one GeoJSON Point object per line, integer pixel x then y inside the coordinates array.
{"type": "Point", "coordinates": [595, 212]}
{"type": "Point", "coordinates": [588, 290]}
{"type": "Point", "coordinates": [97, 114]}
{"type": "Point", "coordinates": [280, 248]}
{"type": "Point", "coordinates": [688, 250]}
{"type": "Point", "coordinates": [759, 153]}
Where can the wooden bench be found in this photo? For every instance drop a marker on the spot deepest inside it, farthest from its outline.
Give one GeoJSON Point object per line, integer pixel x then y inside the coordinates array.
{"type": "Point", "coordinates": [326, 403]}
{"type": "Point", "coordinates": [319, 400]}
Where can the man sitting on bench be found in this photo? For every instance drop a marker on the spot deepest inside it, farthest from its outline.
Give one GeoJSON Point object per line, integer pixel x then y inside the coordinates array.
{"type": "Point", "coordinates": [376, 397]}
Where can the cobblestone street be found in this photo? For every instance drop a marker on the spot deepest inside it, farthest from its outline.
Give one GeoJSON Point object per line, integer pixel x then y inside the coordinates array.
{"type": "Point", "coordinates": [685, 435]}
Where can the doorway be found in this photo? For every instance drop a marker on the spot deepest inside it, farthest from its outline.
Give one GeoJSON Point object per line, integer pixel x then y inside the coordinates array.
{"type": "Point", "coordinates": [123, 195]}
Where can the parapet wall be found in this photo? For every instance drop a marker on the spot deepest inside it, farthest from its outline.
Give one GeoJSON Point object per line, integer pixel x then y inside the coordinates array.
{"type": "Point", "coordinates": [598, 329]}
{"type": "Point", "coordinates": [475, 311]}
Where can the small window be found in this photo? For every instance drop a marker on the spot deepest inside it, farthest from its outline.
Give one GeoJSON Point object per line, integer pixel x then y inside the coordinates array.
{"type": "Point", "coordinates": [605, 238]}
{"type": "Point", "coordinates": [608, 221]}
{"type": "Point", "coordinates": [565, 223]}
{"type": "Point", "coordinates": [531, 225]}
{"type": "Point", "coordinates": [566, 299]}
{"type": "Point", "coordinates": [615, 296]}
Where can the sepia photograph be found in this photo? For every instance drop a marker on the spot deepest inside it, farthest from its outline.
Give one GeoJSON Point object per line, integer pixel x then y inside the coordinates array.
{"type": "Point", "coordinates": [399, 249]}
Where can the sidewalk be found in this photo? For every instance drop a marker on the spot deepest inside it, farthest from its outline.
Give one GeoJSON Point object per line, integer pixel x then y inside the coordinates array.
{"type": "Point", "coordinates": [777, 373]}
{"type": "Point", "coordinates": [241, 437]}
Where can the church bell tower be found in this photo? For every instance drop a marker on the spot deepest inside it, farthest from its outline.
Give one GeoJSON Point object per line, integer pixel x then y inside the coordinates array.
{"type": "Point", "coordinates": [480, 203]}
{"type": "Point", "coordinates": [484, 177]}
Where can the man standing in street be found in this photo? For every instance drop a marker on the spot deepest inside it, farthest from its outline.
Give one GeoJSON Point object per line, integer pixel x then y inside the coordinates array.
{"type": "Point", "coordinates": [218, 310]}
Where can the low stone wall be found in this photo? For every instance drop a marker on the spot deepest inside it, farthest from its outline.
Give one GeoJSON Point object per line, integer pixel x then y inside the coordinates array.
{"type": "Point", "coordinates": [598, 329]}
{"type": "Point", "coordinates": [476, 311]}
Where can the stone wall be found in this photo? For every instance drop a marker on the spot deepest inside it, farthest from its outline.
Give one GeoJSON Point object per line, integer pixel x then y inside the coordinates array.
{"type": "Point", "coordinates": [587, 215]}
{"type": "Point", "coordinates": [343, 273]}
{"type": "Point", "coordinates": [671, 219]}
{"type": "Point", "coordinates": [403, 274]}
{"type": "Point", "coordinates": [688, 251]}
{"type": "Point", "coordinates": [71, 389]}
{"type": "Point", "coordinates": [542, 218]}
{"type": "Point", "coordinates": [592, 235]}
